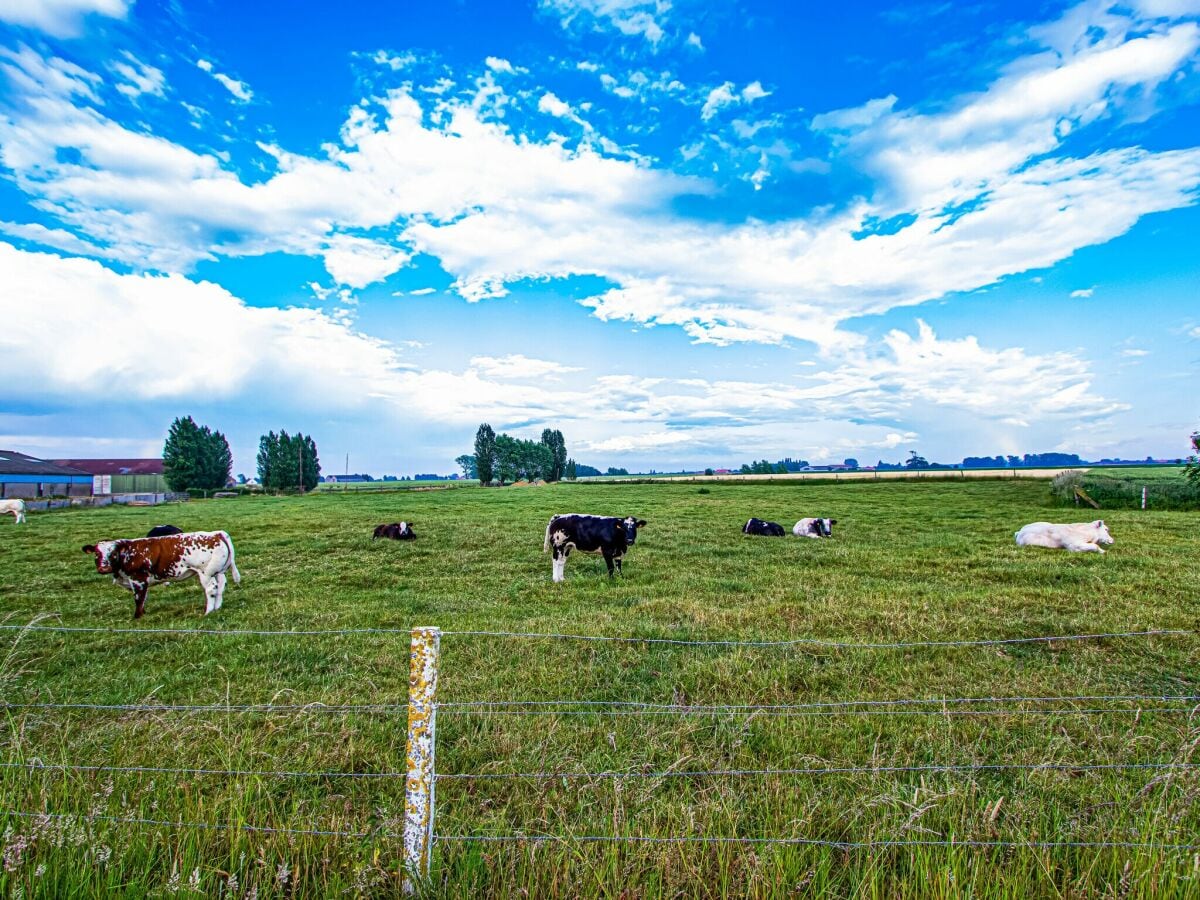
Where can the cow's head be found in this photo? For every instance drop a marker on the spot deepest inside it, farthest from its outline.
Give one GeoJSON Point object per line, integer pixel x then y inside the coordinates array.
{"type": "Point", "coordinates": [104, 552]}
{"type": "Point", "coordinates": [824, 527]}
{"type": "Point", "coordinates": [631, 525]}
{"type": "Point", "coordinates": [406, 529]}
{"type": "Point", "coordinates": [1102, 535]}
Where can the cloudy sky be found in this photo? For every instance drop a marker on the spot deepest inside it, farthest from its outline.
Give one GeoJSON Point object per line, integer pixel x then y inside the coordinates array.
{"type": "Point", "coordinates": [684, 233]}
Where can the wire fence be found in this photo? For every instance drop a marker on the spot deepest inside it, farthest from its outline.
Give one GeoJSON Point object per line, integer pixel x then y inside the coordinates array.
{"type": "Point", "coordinates": [1137, 704]}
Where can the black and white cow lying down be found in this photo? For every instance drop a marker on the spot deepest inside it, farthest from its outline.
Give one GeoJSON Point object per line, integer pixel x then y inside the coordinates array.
{"type": "Point", "coordinates": [396, 531]}
{"type": "Point", "coordinates": [763, 528]}
{"type": "Point", "coordinates": [609, 536]}
{"type": "Point", "coordinates": [814, 528]}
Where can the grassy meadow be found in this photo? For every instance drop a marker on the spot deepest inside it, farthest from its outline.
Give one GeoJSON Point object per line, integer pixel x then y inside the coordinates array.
{"type": "Point", "coordinates": [909, 561]}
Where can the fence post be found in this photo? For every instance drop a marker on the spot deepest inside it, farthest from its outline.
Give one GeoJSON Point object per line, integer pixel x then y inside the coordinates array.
{"type": "Point", "coordinates": [1143, 496]}
{"type": "Point", "coordinates": [421, 744]}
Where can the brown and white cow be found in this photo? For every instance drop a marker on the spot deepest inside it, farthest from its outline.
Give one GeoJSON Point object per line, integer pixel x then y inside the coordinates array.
{"type": "Point", "coordinates": [141, 562]}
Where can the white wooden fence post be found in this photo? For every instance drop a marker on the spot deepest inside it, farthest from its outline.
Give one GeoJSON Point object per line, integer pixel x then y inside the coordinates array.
{"type": "Point", "coordinates": [419, 784]}
{"type": "Point", "coordinates": [1143, 497]}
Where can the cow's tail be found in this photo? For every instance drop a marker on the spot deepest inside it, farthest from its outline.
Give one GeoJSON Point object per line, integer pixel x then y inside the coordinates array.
{"type": "Point", "coordinates": [546, 543]}
{"type": "Point", "coordinates": [233, 569]}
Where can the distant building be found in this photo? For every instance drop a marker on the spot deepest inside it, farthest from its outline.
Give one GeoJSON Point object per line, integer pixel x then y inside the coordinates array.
{"type": "Point", "coordinates": [114, 466]}
{"type": "Point", "coordinates": [30, 478]}
{"type": "Point", "coordinates": [347, 479]}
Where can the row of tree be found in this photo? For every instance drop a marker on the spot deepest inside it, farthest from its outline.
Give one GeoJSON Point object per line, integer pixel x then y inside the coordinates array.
{"type": "Point", "coordinates": [503, 458]}
{"type": "Point", "coordinates": [197, 458]}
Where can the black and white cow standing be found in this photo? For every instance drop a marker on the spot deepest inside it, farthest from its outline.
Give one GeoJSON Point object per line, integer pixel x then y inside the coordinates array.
{"type": "Point", "coordinates": [763, 528]}
{"type": "Point", "coordinates": [609, 536]}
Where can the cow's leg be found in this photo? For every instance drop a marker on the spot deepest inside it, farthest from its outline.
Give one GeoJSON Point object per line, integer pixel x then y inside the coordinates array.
{"type": "Point", "coordinates": [139, 599]}
{"type": "Point", "coordinates": [210, 593]}
{"type": "Point", "coordinates": [608, 561]}
{"type": "Point", "coordinates": [220, 579]}
{"type": "Point", "coordinates": [560, 563]}
{"type": "Point", "coordinates": [617, 560]}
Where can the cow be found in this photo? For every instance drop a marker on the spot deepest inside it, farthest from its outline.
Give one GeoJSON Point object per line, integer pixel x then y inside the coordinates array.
{"type": "Point", "coordinates": [140, 562]}
{"type": "Point", "coordinates": [397, 531]}
{"type": "Point", "coordinates": [814, 528]}
{"type": "Point", "coordinates": [763, 528]}
{"type": "Point", "coordinates": [1079, 537]}
{"type": "Point", "coordinates": [16, 507]}
{"type": "Point", "coordinates": [164, 530]}
{"type": "Point", "coordinates": [610, 536]}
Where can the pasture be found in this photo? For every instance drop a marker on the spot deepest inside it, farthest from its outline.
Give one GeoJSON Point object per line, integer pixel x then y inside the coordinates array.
{"type": "Point", "coordinates": [909, 561]}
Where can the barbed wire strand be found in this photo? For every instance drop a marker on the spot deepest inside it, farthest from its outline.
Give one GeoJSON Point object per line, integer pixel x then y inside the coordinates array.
{"type": "Point", "coordinates": [168, 823]}
{"type": "Point", "coordinates": [813, 642]}
{"type": "Point", "coordinates": [818, 642]}
{"type": "Point", "coordinates": [161, 770]}
{"type": "Point", "coordinates": [834, 770]}
{"type": "Point", "coordinates": [620, 704]}
{"type": "Point", "coordinates": [849, 713]}
{"type": "Point", "coordinates": [815, 842]}
{"type": "Point", "coordinates": [801, 711]}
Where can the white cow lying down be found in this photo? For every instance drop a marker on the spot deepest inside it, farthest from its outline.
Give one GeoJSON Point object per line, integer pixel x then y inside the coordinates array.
{"type": "Point", "coordinates": [15, 507]}
{"type": "Point", "coordinates": [1081, 537]}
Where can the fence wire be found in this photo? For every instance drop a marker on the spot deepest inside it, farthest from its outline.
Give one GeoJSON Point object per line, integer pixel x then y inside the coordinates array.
{"type": "Point", "coordinates": [162, 770]}
{"type": "Point", "coordinates": [797, 642]}
{"type": "Point", "coordinates": [832, 770]}
{"type": "Point", "coordinates": [208, 826]}
{"type": "Point", "coordinates": [809, 842]}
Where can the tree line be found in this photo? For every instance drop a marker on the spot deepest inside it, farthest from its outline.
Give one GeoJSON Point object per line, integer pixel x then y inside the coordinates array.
{"type": "Point", "coordinates": [197, 458]}
{"type": "Point", "coordinates": [501, 458]}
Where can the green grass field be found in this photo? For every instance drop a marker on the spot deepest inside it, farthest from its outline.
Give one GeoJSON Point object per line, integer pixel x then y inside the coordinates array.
{"type": "Point", "coordinates": [909, 561]}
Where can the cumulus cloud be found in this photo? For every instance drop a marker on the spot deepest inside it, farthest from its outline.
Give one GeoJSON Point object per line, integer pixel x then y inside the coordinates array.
{"type": "Point", "coordinates": [518, 366]}
{"type": "Point", "coordinates": [60, 18]}
{"type": "Point", "coordinates": [965, 196]}
{"type": "Point", "coordinates": [240, 90]}
{"type": "Point", "coordinates": [642, 18]}
{"type": "Point", "coordinates": [551, 104]}
{"type": "Point", "coordinates": [138, 78]}
{"type": "Point", "coordinates": [1083, 293]}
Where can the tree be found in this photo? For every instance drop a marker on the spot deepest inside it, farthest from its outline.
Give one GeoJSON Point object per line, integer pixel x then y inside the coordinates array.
{"type": "Point", "coordinates": [616, 471]}
{"type": "Point", "coordinates": [915, 462]}
{"type": "Point", "coordinates": [467, 463]}
{"type": "Point", "coordinates": [557, 445]}
{"type": "Point", "coordinates": [286, 461]}
{"type": "Point", "coordinates": [850, 462]}
{"type": "Point", "coordinates": [485, 454]}
{"type": "Point", "coordinates": [1192, 470]}
{"type": "Point", "coordinates": [708, 471]}
{"type": "Point", "coordinates": [571, 471]}
{"type": "Point", "coordinates": [195, 456]}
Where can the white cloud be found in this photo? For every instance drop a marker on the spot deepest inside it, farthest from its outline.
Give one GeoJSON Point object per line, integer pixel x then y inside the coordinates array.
{"type": "Point", "coordinates": [551, 104]}
{"type": "Point", "coordinates": [1134, 352]}
{"type": "Point", "coordinates": [497, 64]}
{"type": "Point", "coordinates": [642, 18]}
{"type": "Point", "coordinates": [1083, 293]}
{"type": "Point", "coordinates": [139, 78]}
{"type": "Point", "coordinates": [51, 237]}
{"type": "Point", "coordinates": [754, 91]}
{"type": "Point", "coordinates": [60, 18]}
{"type": "Point", "coordinates": [421, 292]}
{"type": "Point", "coordinates": [496, 207]}
{"type": "Point", "coordinates": [240, 90]}
{"type": "Point", "coordinates": [718, 98]}
{"type": "Point", "coordinates": [518, 366]}
{"type": "Point", "coordinates": [693, 40]}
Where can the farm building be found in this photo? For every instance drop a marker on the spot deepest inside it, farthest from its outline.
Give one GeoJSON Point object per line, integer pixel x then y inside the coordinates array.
{"type": "Point", "coordinates": [128, 476]}
{"type": "Point", "coordinates": [30, 478]}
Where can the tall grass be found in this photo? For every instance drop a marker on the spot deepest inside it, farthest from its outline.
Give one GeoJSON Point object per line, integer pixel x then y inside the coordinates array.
{"type": "Point", "coordinates": [1163, 491]}
{"type": "Point", "coordinates": [909, 561]}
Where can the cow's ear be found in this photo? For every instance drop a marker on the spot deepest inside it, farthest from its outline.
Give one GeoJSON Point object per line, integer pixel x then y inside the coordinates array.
{"type": "Point", "coordinates": [641, 523]}
{"type": "Point", "coordinates": [90, 548]}
{"type": "Point", "coordinates": [833, 521]}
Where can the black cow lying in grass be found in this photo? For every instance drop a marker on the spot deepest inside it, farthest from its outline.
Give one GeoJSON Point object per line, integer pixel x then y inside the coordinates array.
{"type": "Point", "coordinates": [397, 531]}
{"type": "Point", "coordinates": [163, 530]}
{"type": "Point", "coordinates": [763, 528]}
{"type": "Point", "coordinates": [607, 535]}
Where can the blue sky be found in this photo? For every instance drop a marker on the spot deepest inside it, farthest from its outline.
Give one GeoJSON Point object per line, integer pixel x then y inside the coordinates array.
{"type": "Point", "coordinates": [684, 233]}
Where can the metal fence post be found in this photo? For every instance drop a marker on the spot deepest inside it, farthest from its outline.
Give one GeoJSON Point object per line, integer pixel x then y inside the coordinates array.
{"type": "Point", "coordinates": [419, 784]}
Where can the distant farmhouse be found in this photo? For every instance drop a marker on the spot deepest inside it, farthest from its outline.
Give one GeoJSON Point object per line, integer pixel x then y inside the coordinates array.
{"type": "Point", "coordinates": [31, 478]}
